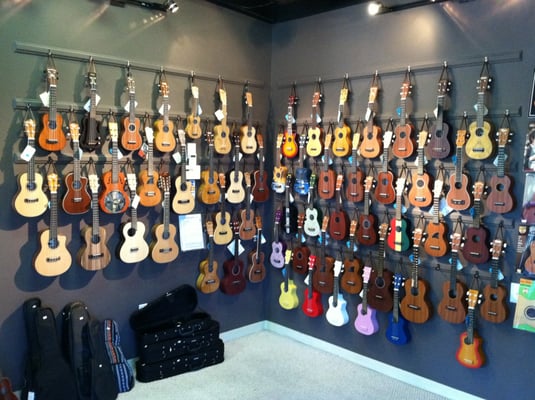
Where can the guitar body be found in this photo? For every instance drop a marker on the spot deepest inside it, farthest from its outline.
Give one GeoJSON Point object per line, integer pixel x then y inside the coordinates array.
{"type": "Point", "coordinates": [323, 278]}
{"type": "Point", "coordinates": [312, 306]}
{"type": "Point", "coordinates": [300, 259]}
{"type": "Point", "coordinates": [366, 323]}
{"type": "Point", "coordinates": [113, 199]}
{"type": "Point", "coordinates": [420, 194]}
{"type": "Point", "coordinates": [289, 147]}
{"type": "Point", "coordinates": [452, 307]}
{"type": "Point", "coordinates": [90, 137]}
{"type": "Point", "coordinates": [30, 200]}
{"type": "Point", "coordinates": [52, 137]}
{"type": "Point", "coordinates": [134, 248]}
{"type": "Point", "coordinates": [223, 230]}
{"type": "Point", "coordinates": [184, 200]}
{"type": "Point", "coordinates": [499, 199]}
{"type": "Point", "coordinates": [277, 254]}
{"type": "Point", "coordinates": [380, 291]}
{"type": "Point", "coordinates": [529, 264]}
{"type": "Point", "coordinates": [77, 199]}
{"type": "Point", "coordinates": [403, 145]}
{"type": "Point", "coordinates": [439, 146]}
{"type": "Point", "coordinates": [351, 279]}
{"type": "Point", "coordinates": [414, 306]}
{"type": "Point", "coordinates": [164, 248]}
{"type": "Point", "coordinates": [193, 128]}
{"type": "Point", "coordinates": [367, 230]}
{"type": "Point", "coordinates": [342, 141]}
{"type": "Point", "coordinates": [470, 355]}
{"type": "Point", "coordinates": [337, 315]}
{"type": "Point", "coordinates": [398, 239]}
{"type": "Point", "coordinates": [494, 307]}
{"type": "Point", "coordinates": [209, 192]}
{"type": "Point", "coordinates": [94, 254]}
{"type": "Point", "coordinates": [233, 281]}
{"type": "Point", "coordinates": [208, 281]}
{"type": "Point", "coordinates": [236, 192]}
{"type": "Point", "coordinates": [479, 145]}
{"type": "Point", "coordinates": [371, 145]}
{"type": "Point", "coordinates": [475, 249]}
{"type": "Point", "coordinates": [314, 142]}
{"type": "Point", "coordinates": [288, 298]}
{"type": "Point", "coordinates": [385, 192]}
{"type": "Point", "coordinates": [222, 143]}
{"type": "Point", "coordinates": [355, 186]}
{"type": "Point", "coordinates": [247, 225]}
{"type": "Point", "coordinates": [338, 225]}
{"type": "Point", "coordinates": [148, 190]}
{"type": "Point", "coordinates": [436, 244]}
{"type": "Point", "coordinates": [248, 143]}
{"type": "Point", "coordinates": [311, 225]}
{"type": "Point", "coordinates": [458, 196]}
{"type": "Point", "coordinates": [52, 261]}
{"type": "Point", "coordinates": [164, 138]}
{"type": "Point", "coordinates": [260, 190]}
{"type": "Point", "coordinates": [326, 184]}
{"type": "Point", "coordinates": [397, 332]}
{"type": "Point", "coordinates": [131, 138]}
{"type": "Point", "coordinates": [256, 271]}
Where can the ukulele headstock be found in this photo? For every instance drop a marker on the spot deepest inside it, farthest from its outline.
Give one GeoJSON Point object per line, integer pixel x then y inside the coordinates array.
{"type": "Point", "coordinates": [53, 182]}
{"type": "Point", "coordinates": [473, 298]}
{"type": "Point", "coordinates": [311, 262]}
{"type": "Point", "coordinates": [164, 182]}
{"type": "Point", "coordinates": [210, 228]}
{"type": "Point", "coordinates": [29, 128]}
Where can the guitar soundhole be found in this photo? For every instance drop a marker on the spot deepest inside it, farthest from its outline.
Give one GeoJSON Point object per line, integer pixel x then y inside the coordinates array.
{"type": "Point", "coordinates": [223, 134]}
{"type": "Point", "coordinates": [31, 185]}
{"type": "Point", "coordinates": [475, 239]}
{"type": "Point", "coordinates": [76, 185]}
{"type": "Point", "coordinates": [131, 127]}
{"type": "Point", "coordinates": [165, 235]}
{"type": "Point", "coordinates": [458, 185]}
{"type": "Point", "coordinates": [452, 293]}
{"type": "Point", "coordinates": [311, 217]}
{"type": "Point", "coordinates": [379, 282]}
{"type": "Point", "coordinates": [420, 183]}
{"type": "Point", "coordinates": [414, 291]}
{"type": "Point", "coordinates": [384, 181]}
{"type": "Point", "coordinates": [438, 133]}
{"type": "Point", "coordinates": [366, 224]}
{"type": "Point", "coordinates": [53, 243]}
{"type": "Point", "coordinates": [131, 232]}
{"type": "Point", "coordinates": [299, 256]}
{"type": "Point", "coordinates": [236, 270]}
{"type": "Point", "coordinates": [402, 135]}
{"type": "Point", "coordinates": [479, 132]}
{"type": "Point", "coordinates": [166, 128]}
{"type": "Point", "coordinates": [499, 187]}
{"type": "Point", "coordinates": [493, 297]}
{"type": "Point", "coordinates": [326, 179]}
{"type": "Point", "coordinates": [354, 181]}
{"type": "Point", "coordinates": [370, 135]}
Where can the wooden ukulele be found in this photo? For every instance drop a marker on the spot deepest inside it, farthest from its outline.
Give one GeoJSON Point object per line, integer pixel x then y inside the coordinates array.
{"type": "Point", "coordinates": [235, 191]}
{"type": "Point", "coordinates": [458, 196]}
{"type": "Point", "coordinates": [114, 198]}
{"type": "Point", "coordinates": [289, 147]}
{"type": "Point", "coordinates": [336, 314]}
{"type": "Point", "coordinates": [277, 246]}
{"type": "Point", "coordinates": [164, 248]}
{"type": "Point", "coordinates": [315, 132]}
{"type": "Point", "coordinates": [209, 191]}
{"type": "Point", "coordinates": [354, 188]}
{"type": "Point", "coordinates": [398, 240]}
{"type": "Point", "coordinates": [302, 174]}
{"type": "Point", "coordinates": [529, 264]}
{"type": "Point", "coordinates": [499, 199]}
{"type": "Point", "coordinates": [475, 248]}
{"type": "Point", "coordinates": [131, 137]}
{"type": "Point", "coordinates": [342, 134]}
{"type": "Point", "coordinates": [372, 144]}
{"type": "Point", "coordinates": [415, 306]}
{"type": "Point", "coordinates": [208, 280]}
{"type": "Point", "coordinates": [233, 281]}
{"type": "Point", "coordinates": [148, 191]}
{"type": "Point", "coordinates": [311, 225]}
{"type": "Point", "coordinates": [184, 199]}
{"type": "Point", "coordinates": [94, 254]}
{"type": "Point", "coordinates": [193, 125]}
{"type": "Point", "coordinates": [380, 295]}
{"type": "Point", "coordinates": [494, 306]}
{"type": "Point", "coordinates": [256, 271]}
{"type": "Point", "coordinates": [312, 306]}
{"type": "Point", "coordinates": [222, 142]}
{"type": "Point", "coordinates": [403, 146]}
{"type": "Point", "coordinates": [247, 225]}
{"type": "Point", "coordinates": [90, 138]}
{"type": "Point", "coordinates": [248, 143]}
{"type": "Point", "coordinates": [351, 279]}
{"type": "Point", "coordinates": [327, 178]}
{"type": "Point", "coordinates": [470, 353]}
{"type": "Point", "coordinates": [6, 390]}
{"type": "Point", "coordinates": [452, 307]}
{"type": "Point", "coordinates": [223, 230]}
{"type": "Point", "coordinates": [52, 137]}
{"type": "Point", "coordinates": [260, 189]}
{"type": "Point", "coordinates": [397, 331]}
{"type": "Point", "coordinates": [439, 144]}
{"type": "Point", "coordinates": [436, 244]}
{"type": "Point", "coordinates": [288, 298]}
{"type": "Point", "coordinates": [164, 137]}
{"type": "Point", "coordinates": [367, 226]}
{"type": "Point", "coordinates": [420, 194]}
{"type": "Point", "coordinates": [53, 258]}
{"type": "Point", "coordinates": [384, 192]}
{"type": "Point", "coordinates": [301, 252]}
{"type": "Point", "coordinates": [366, 320]}
{"type": "Point", "coordinates": [339, 221]}
{"type": "Point", "coordinates": [279, 171]}
{"type": "Point", "coordinates": [323, 277]}
{"type": "Point", "coordinates": [479, 145]}
{"type": "Point", "coordinates": [30, 199]}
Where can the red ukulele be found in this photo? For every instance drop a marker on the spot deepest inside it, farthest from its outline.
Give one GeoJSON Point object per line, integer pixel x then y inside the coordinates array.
{"type": "Point", "coordinates": [312, 306]}
{"type": "Point", "coordinates": [403, 146]}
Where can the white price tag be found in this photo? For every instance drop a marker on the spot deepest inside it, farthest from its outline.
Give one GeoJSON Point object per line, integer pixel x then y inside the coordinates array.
{"type": "Point", "coordinates": [87, 105]}
{"type": "Point", "coordinates": [177, 157]}
{"type": "Point", "coordinates": [45, 98]}
{"type": "Point", "coordinates": [220, 115]}
{"type": "Point", "coordinates": [199, 110]}
{"type": "Point", "coordinates": [230, 247]}
{"type": "Point", "coordinates": [127, 105]}
{"type": "Point", "coordinates": [135, 201]}
{"type": "Point", "coordinates": [161, 109]}
{"type": "Point", "coordinates": [27, 153]}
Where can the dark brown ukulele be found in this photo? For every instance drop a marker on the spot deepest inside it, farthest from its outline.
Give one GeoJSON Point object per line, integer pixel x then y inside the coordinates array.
{"type": "Point", "coordinates": [499, 199]}
{"type": "Point", "coordinates": [439, 145]}
{"type": "Point", "coordinates": [323, 279]}
{"type": "Point", "coordinates": [339, 221]}
{"type": "Point", "coordinates": [384, 192]}
{"type": "Point", "coordinates": [494, 307]}
{"type": "Point", "coordinates": [475, 248]}
{"type": "Point", "coordinates": [380, 294]}
{"type": "Point", "coordinates": [301, 252]}
{"type": "Point", "coordinates": [403, 146]}
{"type": "Point", "coordinates": [326, 180]}
{"type": "Point", "coordinates": [233, 281]}
{"type": "Point", "coordinates": [256, 271]}
{"type": "Point", "coordinates": [354, 188]}
{"type": "Point", "coordinates": [351, 279]}
{"type": "Point", "coordinates": [367, 227]}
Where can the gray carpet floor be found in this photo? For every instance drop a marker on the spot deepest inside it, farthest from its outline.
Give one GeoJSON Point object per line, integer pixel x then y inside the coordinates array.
{"type": "Point", "coordinates": [266, 365]}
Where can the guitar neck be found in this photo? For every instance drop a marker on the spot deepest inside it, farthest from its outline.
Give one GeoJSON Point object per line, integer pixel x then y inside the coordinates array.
{"type": "Point", "coordinates": [95, 214]}
{"type": "Point", "coordinates": [166, 218]}
{"type": "Point", "coordinates": [480, 112]}
{"type": "Point", "coordinates": [183, 159]}
{"type": "Point", "coordinates": [477, 213]}
{"type": "Point", "coordinates": [31, 164]}
{"type": "Point", "coordinates": [150, 158]}
{"type": "Point", "coordinates": [470, 326]}
{"type": "Point", "coordinates": [224, 120]}
{"type": "Point", "coordinates": [165, 110]}
{"type": "Point", "coordinates": [364, 297]}
{"type": "Point", "coordinates": [114, 163]}
{"type": "Point", "coordinates": [399, 205]}
{"type": "Point", "coordinates": [421, 160]}
{"type": "Point", "coordinates": [453, 269]}
{"type": "Point", "coordinates": [501, 161]}
{"type": "Point", "coordinates": [132, 106]}
{"type": "Point", "coordinates": [395, 309]}
{"type": "Point", "coordinates": [211, 254]}
{"type": "Point", "coordinates": [52, 105]}
{"type": "Point", "coordinates": [436, 211]}
{"type": "Point", "coordinates": [458, 164]}
{"type": "Point", "coordinates": [380, 264]}
{"type": "Point", "coordinates": [76, 161]}
{"type": "Point", "coordinates": [366, 203]}
{"type": "Point", "coordinates": [290, 120]}
{"type": "Point", "coordinates": [258, 239]}
{"type": "Point", "coordinates": [53, 216]}
{"type": "Point", "coordinates": [385, 159]}
{"type": "Point", "coordinates": [414, 269]}
{"type": "Point", "coordinates": [440, 111]}
{"type": "Point", "coordinates": [403, 116]}
{"type": "Point", "coordinates": [494, 269]}
{"type": "Point", "coordinates": [336, 290]}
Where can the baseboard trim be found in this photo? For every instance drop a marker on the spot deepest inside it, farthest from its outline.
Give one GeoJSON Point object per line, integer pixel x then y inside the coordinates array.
{"type": "Point", "coordinates": [370, 363]}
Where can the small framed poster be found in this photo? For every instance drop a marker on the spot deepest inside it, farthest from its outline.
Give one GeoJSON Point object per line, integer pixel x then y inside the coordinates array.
{"type": "Point", "coordinates": [191, 232]}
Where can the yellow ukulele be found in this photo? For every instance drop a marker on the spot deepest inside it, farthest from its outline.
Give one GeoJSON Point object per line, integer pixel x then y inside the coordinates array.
{"type": "Point", "coordinates": [342, 134]}
{"type": "Point", "coordinates": [222, 143]}
{"type": "Point", "coordinates": [288, 298]}
{"type": "Point", "coordinates": [315, 133]}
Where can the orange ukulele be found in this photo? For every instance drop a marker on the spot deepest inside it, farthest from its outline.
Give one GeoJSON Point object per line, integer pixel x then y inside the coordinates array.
{"type": "Point", "coordinates": [209, 191]}
{"type": "Point", "coordinates": [351, 279]}
{"type": "Point", "coordinates": [208, 280]}
{"type": "Point", "coordinates": [327, 179]}
{"type": "Point", "coordinates": [256, 270]}
{"type": "Point", "coordinates": [222, 144]}
{"type": "Point", "coordinates": [420, 194]}
{"type": "Point", "coordinates": [289, 147]}
{"type": "Point", "coordinates": [470, 354]}
{"type": "Point", "coordinates": [494, 307]}
{"type": "Point", "coordinates": [384, 192]}
{"type": "Point", "coordinates": [315, 132]}
{"type": "Point", "coordinates": [439, 145]}
{"type": "Point", "coordinates": [164, 137]}
{"type": "Point", "coordinates": [458, 196]}
{"type": "Point", "coordinates": [436, 244]}
{"type": "Point", "coordinates": [403, 146]}
{"type": "Point", "coordinates": [148, 190]}
{"type": "Point", "coordinates": [372, 144]}
{"type": "Point", "coordinates": [131, 138]}
{"type": "Point", "coordinates": [342, 133]}
{"type": "Point", "coordinates": [248, 142]}
{"type": "Point", "coordinates": [354, 188]}
{"type": "Point", "coordinates": [193, 125]}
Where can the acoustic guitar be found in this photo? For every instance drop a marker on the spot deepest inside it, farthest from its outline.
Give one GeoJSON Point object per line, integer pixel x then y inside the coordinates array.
{"type": "Point", "coordinates": [233, 281]}
{"type": "Point", "coordinates": [288, 297]}
{"type": "Point", "coordinates": [311, 225]}
{"type": "Point", "coordinates": [494, 306]}
{"type": "Point", "coordinates": [380, 290]}
{"type": "Point", "coordinates": [247, 224]}
{"type": "Point", "coordinates": [256, 270]}
{"type": "Point", "coordinates": [323, 276]}
{"type": "Point", "coordinates": [372, 144]}
{"type": "Point", "coordinates": [302, 174]}
{"type": "Point", "coordinates": [148, 190]}
{"type": "Point", "coordinates": [260, 189]}
{"type": "Point", "coordinates": [436, 244]}
{"type": "Point", "coordinates": [439, 144]}
{"type": "Point", "coordinates": [339, 221]}
{"type": "Point", "coordinates": [30, 199]}
{"type": "Point", "coordinates": [94, 254]}
{"type": "Point", "coordinates": [398, 240]}
{"type": "Point", "coordinates": [327, 178]}
{"type": "Point", "coordinates": [366, 321]}
{"type": "Point", "coordinates": [248, 142]}
{"type": "Point", "coordinates": [278, 247]}
{"type": "Point", "coordinates": [52, 137]}
{"type": "Point", "coordinates": [354, 188]}
{"type": "Point", "coordinates": [470, 352]}
{"type": "Point", "coordinates": [223, 230]}
{"type": "Point", "coordinates": [235, 191]}
{"type": "Point", "coordinates": [336, 314]}
{"type": "Point", "coordinates": [184, 199]}
{"type": "Point", "coordinates": [208, 281]}
{"type": "Point", "coordinates": [209, 191]}
{"type": "Point", "coordinates": [499, 199]}
{"type": "Point", "coordinates": [403, 146]}
{"type": "Point", "coordinates": [397, 331]}
{"type": "Point", "coordinates": [131, 137]}
{"type": "Point", "coordinates": [458, 196]}
{"type": "Point", "coordinates": [6, 390]}
{"type": "Point", "coordinates": [164, 137]}
{"type": "Point", "coordinates": [289, 147]}
{"type": "Point", "coordinates": [420, 194]}
{"type": "Point", "coordinates": [193, 121]}
{"type": "Point", "coordinates": [301, 252]}
{"type": "Point", "coordinates": [315, 132]}
{"type": "Point", "coordinates": [351, 279]}
{"type": "Point", "coordinates": [475, 249]}
{"type": "Point", "coordinates": [384, 192]}
{"type": "Point", "coordinates": [53, 258]}
{"type": "Point", "coordinates": [90, 138]}
{"type": "Point", "coordinates": [311, 306]}
{"type": "Point", "coordinates": [367, 226]}
{"type": "Point", "coordinates": [279, 171]}
{"type": "Point", "coordinates": [342, 134]}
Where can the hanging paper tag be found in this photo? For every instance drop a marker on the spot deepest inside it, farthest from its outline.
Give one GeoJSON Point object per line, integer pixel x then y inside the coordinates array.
{"type": "Point", "coordinates": [27, 153]}
{"type": "Point", "coordinates": [135, 201]}
{"type": "Point", "coordinates": [177, 156]}
{"type": "Point", "coordinates": [142, 152]}
{"type": "Point", "coordinates": [368, 114]}
{"type": "Point", "coordinates": [78, 154]}
{"type": "Point", "coordinates": [149, 133]}
{"type": "Point", "coordinates": [445, 209]}
{"type": "Point", "coordinates": [220, 115]}
{"type": "Point", "coordinates": [162, 107]}
{"type": "Point", "coordinates": [287, 117]}
{"type": "Point", "coordinates": [45, 98]}
{"type": "Point", "coordinates": [403, 208]}
{"type": "Point", "coordinates": [199, 110]}
{"type": "Point", "coordinates": [127, 105]}
{"type": "Point", "coordinates": [305, 281]}
{"type": "Point", "coordinates": [87, 105]}
{"type": "Point", "coordinates": [230, 247]}
{"type": "Point", "coordinates": [495, 162]}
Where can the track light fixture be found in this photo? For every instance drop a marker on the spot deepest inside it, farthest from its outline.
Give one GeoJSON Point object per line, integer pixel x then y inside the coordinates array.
{"type": "Point", "coordinates": [167, 6]}
{"type": "Point", "coordinates": [376, 7]}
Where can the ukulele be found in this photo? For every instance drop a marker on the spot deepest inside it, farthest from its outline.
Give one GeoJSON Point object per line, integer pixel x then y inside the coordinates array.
{"type": "Point", "coordinates": [367, 226]}
{"type": "Point", "coordinates": [301, 252]}
{"type": "Point", "coordinates": [94, 254]}
{"type": "Point", "coordinates": [133, 248]}
{"type": "Point", "coordinates": [470, 353]}
{"type": "Point", "coordinates": [439, 145]}
{"type": "Point", "coordinates": [420, 194]}
{"type": "Point", "coordinates": [351, 279]}
{"type": "Point", "coordinates": [277, 246]}
{"type": "Point", "coordinates": [164, 137]}
{"type": "Point", "coordinates": [397, 331]}
{"type": "Point", "coordinates": [311, 225]}
{"type": "Point", "coordinates": [76, 199]}
{"type": "Point", "coordinates": [223, 230]}
{"type": "Point", "coordinates": [529, 264]}
{"type": "Point", "coordinates": [436, 244]}
{"type": "Point", "coordinates": [366, 320]}
{"type": "Point", "coordinates": [403, 146]}
{"type": "Point", "coordinates": [235, 192]}
{"type": "Point", "coordinates": [302, 174]}
{"type": "Point", "coordinates": [256, 271]}
{"type": "Point", "coordinates": [458, 196]}
{"type": "Point", "coordinates": [475, 248]}
{"type": "Point", "coordinates": [384, 192]}
{"type": "Point", "coordinates": [452, 307]}
{"type": "Point", "coordinates": [247, 225]}
{"type": "Point", "coordinates": [289, 148]}
{"type": "Point", "coordinates": [208, 280]}
{"type": "Point", "coordinates": [131, 138]}
{"type": "Point", "coordinates": [337, 312]}
{"type": "Point", "coordinates": [323, 277]}
{"type": "Point", "coordinates": [342, 134]}
{"type": "Point", "coordinates": [184, 200]}
{"type": "Point", "coordinates": [52, 137]}
{"type": "Point", "coordinates": [326, 180]}
{"type": "Point", "coordinates": [315, 133]}
{"type": "Point", "coordinates": [288, 298]}
{"type": "Point", "coordinates": [312, 306]}
{"type": "Point", "coordinates": [279, 171]}
{"type": "Point", "coordinates": [53, 258]}
{"type": "Point", "coordinates": [339, 221]}
{"type": "Point", "coordinates": [90, 138]}
{"type": "Point", "coordinates": [290, 210]}
{"type": "Point", "coordinates": [260, 189]}
{"type": "Point", "coordinates": [30, 200]}
{"type": "Point", "coordinates": [164, 248]}
{"type": "Point", "coordinates": [499, 199]}
{"type": "Point", "coordinates": [114, 199]}
{"type": "Point", "coordinates": [248, 143]}
{"type": "Point", "coordinates": [222, 143]}
{"type": "Point", "coordinates": [355, 189]}
{"type": "Point", "coordinates": [148, 191]}
{"type": "Point", "coordinates": [193, 125]}
{"type": "Point", "coordinates": [209, 191]}
{"type": "Point", "coordinates": [479, 145]}
{"type": "Point", "coordinates": [6, 390]}
{"type": "Point", "coordinates": [233, 281]}
{"type": "Point", "coordinates": [371, 145]}
{"type": "Point", "coordinates": [380, 297]}
{"type": "Point", "coordinates": [414, 306]}
{"type": "Point", "coordinates": [398, 240]}
{"type": "Point", "coordinates": [494, 307]}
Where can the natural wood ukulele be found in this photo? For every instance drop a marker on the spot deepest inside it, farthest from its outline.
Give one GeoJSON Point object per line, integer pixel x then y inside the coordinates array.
{"type": "Point", "coordinates": [420, 193]}
{"type": "Point", "coordinates": [235, 191]}
{"type": "Point", "coordinates": [164, 136]}
{"type": "Point", "coordinates": [193, 125]}
{"type": "Point", "coordinates": [403, 146]}
{"type": "Point", "coordinates": [222, 144]}
{"type": "Point", "coordinates": [385, 192]}
{"type": "Point", "coordinates": [458, 196]}
{"type": "Point", "coordinates": [339, 221]}
{"type": "Point", "coordinates": [208, 281]}
{"type": "Point", "coordinates": [223, 230]}
{"type": "Point", "coordinates": [131, 137]}
{"type": "Point", "coordinates": [260, 190]}
{"type": "Point", "coordinates": [367, 226]}
{"type": "Point", "coordinates": [209, 191]}
{"type": "Point", "coordinates": [148, 190]}
{"type": "Point", "coordinates": [184, 199]}
{"type": "Point", "coordinates": [354, 187]}
{"type": "Point", "coordinates": [279, 171]}
{"type": "Point", "coordinates": [372, 144]}
{"type": "Point", "coordinates": [380, 293]}
{"type": "Point", "coordinates": [494, 306]}
{"type": "Point", "coordinates": [248, 142]}
{"type": "Point", "coordinates": [233, 281]}
{"type": "Point", "coordinates": [327, 178]}
{"type": "Point", "coordinates": [301, 252]}
{"type": "Point", "coordinates": [351, 279]}
{"type": "Point", "coordinates": [247, 224]}
{"type": "Point", "coordinates": [475, 249]}
{"type": "Point", "coordinates": [323, 276]}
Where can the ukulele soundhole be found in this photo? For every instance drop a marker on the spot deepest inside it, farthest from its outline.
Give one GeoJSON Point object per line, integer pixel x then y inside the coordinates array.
{"type": "Point", "coordinates": [500, 187]}
{"type": "Point", "coordinates": [493, 297]}
{"type": "Point", "coordinates": [438, 134]}
{"type": "Point", "coordinates": [420, 183]}
{"type": "Point", "coordinates": [354, 181]}
{"type": "Point", "coordinates": [379, 282]}
{"type": "Point", "coordinates": [366, 224]}
{"type": "Point", "coordinates": [452, 293]}
{"type": "Point", "coordinates": [479, 132]}
{"type": "Point", "coordinates": [166, 128]}
{"type": "Point", "coordinates": [402, 135]}
{"type": "Point", "coordinates": [384, 181]}
{"type": "Point", "coordinates": [131, 127]}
